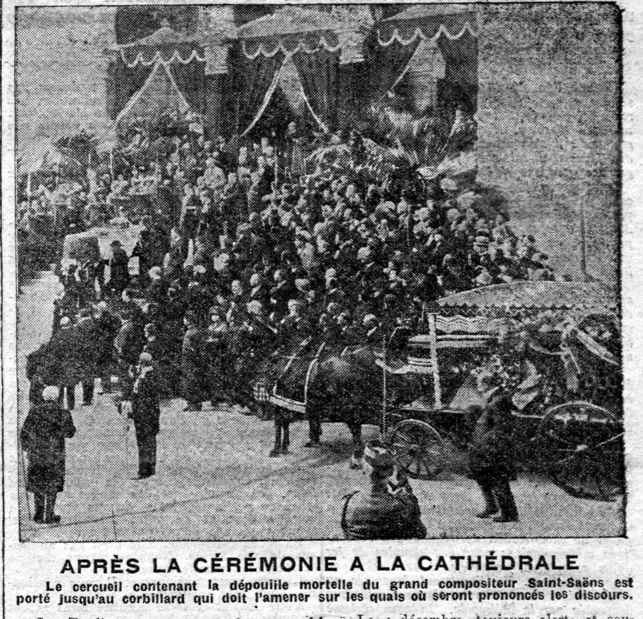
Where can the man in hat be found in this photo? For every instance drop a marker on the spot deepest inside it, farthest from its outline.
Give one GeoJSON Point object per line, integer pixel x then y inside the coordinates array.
{"type": "Point", "coordinates": [491, 451]}
{"type": "Point", "coordinates": [43, 438]}
{"type": "Point", "coordinates": [385, 510]}
{"type": "Point", "coordinates": [118, 269]}
{"type": "Point", "coordinates": [145, 412]}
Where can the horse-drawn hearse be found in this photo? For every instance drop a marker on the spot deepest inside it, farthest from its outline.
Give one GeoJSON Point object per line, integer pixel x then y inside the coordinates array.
{"type": "Point", "coordinates": [554, 345]}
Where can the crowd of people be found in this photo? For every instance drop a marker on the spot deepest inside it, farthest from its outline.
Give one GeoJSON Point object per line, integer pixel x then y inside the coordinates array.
{"type": "Point", "coordinates": [250, 253]}
{"type": "Point", "coordinates": [245, 248]}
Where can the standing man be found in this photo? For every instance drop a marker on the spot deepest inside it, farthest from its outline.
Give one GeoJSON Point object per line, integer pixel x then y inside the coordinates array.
{"type": "Point", "coordinates": [107, 326]}
{"type": "Point", "coordinates": [491, 460]}
{"type": "Point", "coordinates": [381, 512]}
{"type": "Point", "coordinates": [64, 350]}
{"type": "Point", "coordinates": [87, 340]}
{"type": "Point", "coordinates": [192, 363]}
{"type": "Point", "coordinates": [43, 438]}
{"type": "Point", "coordinates": [118, 269]}
{"type": "Point", "coordinates": [146, 413]}
{"type": "Point", "coordinates": [129, 344]}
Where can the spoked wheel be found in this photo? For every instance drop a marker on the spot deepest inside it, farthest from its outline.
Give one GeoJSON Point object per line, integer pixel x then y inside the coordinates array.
{"type": "Point", "coordinates": [418, 448]}
{"type": "Point", "coordinates": [583, 450]}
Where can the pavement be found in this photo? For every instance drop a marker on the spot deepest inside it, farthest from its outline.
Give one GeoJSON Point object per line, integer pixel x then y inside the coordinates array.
{"type": "Point", "coordinates": [215, 480]}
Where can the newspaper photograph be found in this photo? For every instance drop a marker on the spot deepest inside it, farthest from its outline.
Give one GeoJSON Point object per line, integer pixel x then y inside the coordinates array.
{"type": "Point", "coordinates": [321, 310]}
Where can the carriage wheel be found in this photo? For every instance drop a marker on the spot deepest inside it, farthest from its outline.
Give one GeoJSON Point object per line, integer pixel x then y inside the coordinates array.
{"type": "Point", "coordinates": [418, 448]}
{"type": "Point", "coordinates": [582, 450]}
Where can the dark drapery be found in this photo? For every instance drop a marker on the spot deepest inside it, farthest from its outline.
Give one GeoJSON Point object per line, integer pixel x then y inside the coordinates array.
{"type": "Point", "coordinates": [461, 74]}
{"type": "Point", "coordinates": [252, 78]}
{"type": "Point", "coordinates": [319, 76]}
{"type": "Point", "coordinates": [386, 66]}
{"type": "Point", "coordinates": [459, 49]}
{"type": "Point", "coordinates": [131, 66]}
{"type": "Point", "coordinates": [190, 79]}
{"type": "Point", "coordinates": [126, 82]}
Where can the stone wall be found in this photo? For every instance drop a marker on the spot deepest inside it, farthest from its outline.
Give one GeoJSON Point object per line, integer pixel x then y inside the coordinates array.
{"type": "Point", "coordinates": [548, 125]}
{"type": "Point", "coordinates": [60, 71]}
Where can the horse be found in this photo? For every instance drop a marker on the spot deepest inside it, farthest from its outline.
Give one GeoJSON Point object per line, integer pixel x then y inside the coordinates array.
{"type": "Point", "coordinates": [340, 386]}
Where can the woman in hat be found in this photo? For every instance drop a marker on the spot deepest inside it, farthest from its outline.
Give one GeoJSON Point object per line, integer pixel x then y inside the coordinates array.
{"type": "Point", "coordinates": [43, 438]}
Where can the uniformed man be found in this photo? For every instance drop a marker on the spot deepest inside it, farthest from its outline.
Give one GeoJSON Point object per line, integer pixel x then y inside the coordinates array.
{"type": "Point", "coordinates": [491, 452]}
{"type": "Point", "coordinates": [382, 511]}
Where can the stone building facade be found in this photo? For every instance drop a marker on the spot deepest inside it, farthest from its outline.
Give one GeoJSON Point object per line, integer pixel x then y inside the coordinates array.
{"type": "Point", "coordinates": [548, 125]}
{"type": "Point", "coordinates": [60, 70]}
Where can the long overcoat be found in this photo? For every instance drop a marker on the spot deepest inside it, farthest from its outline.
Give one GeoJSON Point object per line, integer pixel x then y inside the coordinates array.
{"type": "Point", "coordinates": [193, 364]}
{"type": "Point", "coordinates": [491, 453]}
{"type": "Point", "coordinates": [43, 438]}
{"type": "Point", "coordinates": [146, 410]}
{"type": "Point", "coordinates": [64, 348]}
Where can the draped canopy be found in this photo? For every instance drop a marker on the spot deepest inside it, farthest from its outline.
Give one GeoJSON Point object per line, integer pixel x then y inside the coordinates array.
{"type": "Point", "coordinates": [308, 37]}
{"type": "Point", "coordinates": [453, 28]}
{"type": "Point", "coordinates": [133, 63]}
{"type": "Point", "coordinates": [165, 45]}
{"type": "Point", "coordinates": [327, 50]}
{"type": "Point", "coordinates": [427, 22]}
{"type": "Point", "coordinates": [289, 31]}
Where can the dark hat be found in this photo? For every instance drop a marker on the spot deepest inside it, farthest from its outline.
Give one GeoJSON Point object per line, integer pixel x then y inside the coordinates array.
{"type": "Point", "coordinates": [378, 455]}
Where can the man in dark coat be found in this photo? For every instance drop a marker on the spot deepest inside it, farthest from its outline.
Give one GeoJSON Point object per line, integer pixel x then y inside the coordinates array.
{"type": "Point", "coordinates": [491, 456]}
{"type": "Point", "coordinates": [64, 348]}
{"type": "Point", "coordinates": [118, 269]}
{"type": "Point", "coordinates": [92, 272]}
{"type": "Point", "coordinates": [86, 338]}
{"type": "Point", "coordinates": [128, 344]}
{"type": "Point", "coordinates": [106, 326]}
{"type": "Point", "coordinates": [42, 369]}
{"type": "Point", "coordinates": [43, 438]}
{"type": "Point", "coordinates": [146, 413]}
{"type": "Point", "coordinates": [379, 512]}
{"type": "Point", "coordinates": [143, 251]}
{"type": "Point", "coordinates": [156, 346]}
{"type": "Point", "coordinates": [193, 363]}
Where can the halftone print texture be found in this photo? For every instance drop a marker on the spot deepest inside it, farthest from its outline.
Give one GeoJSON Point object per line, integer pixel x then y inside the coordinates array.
{"type": "Point", "coordinates": [319, 272]}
